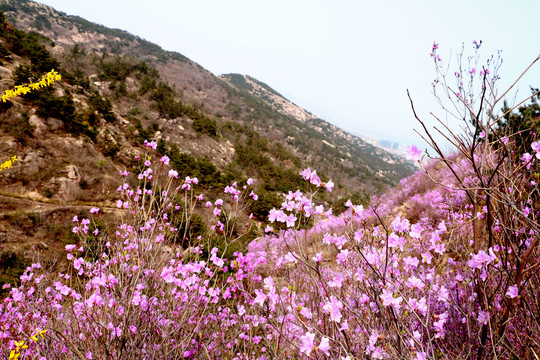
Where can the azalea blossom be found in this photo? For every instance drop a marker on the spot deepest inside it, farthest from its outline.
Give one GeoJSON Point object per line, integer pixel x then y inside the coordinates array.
{"type": "Point", "coordinates": [308, 342]}
{"type": "Point", "coordinates": [413, 153]}
{"type": "Point", "coordinates": [512, 292]}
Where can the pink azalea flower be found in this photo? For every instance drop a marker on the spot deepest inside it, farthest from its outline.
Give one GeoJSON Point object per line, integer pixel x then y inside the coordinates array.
{"type": "Point", "coordinates": [439, 324]}
{"type": "Point", "coordinates": [512, 292]}
{"type": "Point", "coordinates": [307, 343]}
{"type": "Point", "coordinates": [151, 144]}
{"type": "Point", "coordinates": [536, 147]}
{"type": "Point", "coordinates": [165, 160]}
{"type": "Point", "coordinates": [260, 297]}
{"type": "Point", "coordinates": [329, 186]}
{"type": "Point", "coordinates": [396, 241]}
{"type": "Point", "coordinates": [413, 153]}
{"type": "Point", "coordinates": [483, 317]}
{"type": "Point", "coordinates": [481, 259]}
{"type": "Point", "coordinates": [314, 179]}
{"type": "Point", "coordinates": [306, 173]}
{"type": "Point", "coordinates": [324, 346]}
{"type": "Point", "coordinates": [526, 158]}
{"type": "Point", "coordinates": [333, 308]}
{"type": "Point", "coordinates": [70, 247]}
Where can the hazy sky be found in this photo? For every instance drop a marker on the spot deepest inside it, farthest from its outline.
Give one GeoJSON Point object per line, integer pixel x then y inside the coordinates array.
{"type": "Point", "coordinates": [348, 62]}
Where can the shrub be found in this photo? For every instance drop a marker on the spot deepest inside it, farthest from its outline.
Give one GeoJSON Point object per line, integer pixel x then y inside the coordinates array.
{"type": "Point", "coordinates": [443, 267]}
{"type": "Point", "coordinates": [19, 127]}
{"type": "Point", "coordinates": [205, 125]}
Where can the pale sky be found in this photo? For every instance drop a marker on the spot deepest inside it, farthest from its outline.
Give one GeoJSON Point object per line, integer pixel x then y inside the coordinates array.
{"type": "Point", "coordinates": [348, 62]}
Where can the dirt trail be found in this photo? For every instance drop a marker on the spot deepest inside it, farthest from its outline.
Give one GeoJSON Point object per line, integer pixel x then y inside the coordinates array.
{"type": "Point", "coordinates": [11, 203]}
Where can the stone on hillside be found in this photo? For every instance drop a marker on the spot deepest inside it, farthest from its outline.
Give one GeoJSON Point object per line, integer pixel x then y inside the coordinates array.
{"type": "Point", "coordinates": [55, 124]}
{"type": "Point", "coordinates": [39, 124]}
{"type": "Point", "coordinates": [5, 73]}
{"type": "Point", "coordinates": [59, 92]}
{"type": "Point", "coordinates": [32, 162]}
{"type": "Point", "coordinates": [69, 185]}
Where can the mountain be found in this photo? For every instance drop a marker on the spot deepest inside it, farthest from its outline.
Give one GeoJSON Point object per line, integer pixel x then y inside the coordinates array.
{"type": "Point", "coordinates": [117, 90]}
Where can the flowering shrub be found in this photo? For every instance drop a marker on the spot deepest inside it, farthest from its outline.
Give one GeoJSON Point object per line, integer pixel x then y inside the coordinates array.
{"type": "Point", "coordinates": [443, 267]}
{"type": "Point", "coordinates": [135, 296]}
{"type": "Point", "coordinates": [45, 81]}
{"type": "Point", "coordinates": [8, 163]}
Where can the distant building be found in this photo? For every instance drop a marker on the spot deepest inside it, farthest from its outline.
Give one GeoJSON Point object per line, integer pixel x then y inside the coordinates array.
{"type": "Point", "coordinates": [386, 143]}
{"type": "Point", "coordinates": [395, 146]}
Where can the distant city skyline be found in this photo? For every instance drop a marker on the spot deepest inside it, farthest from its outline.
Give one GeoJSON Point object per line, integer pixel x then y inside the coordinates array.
{"type": "Point", "coordinates": [347, 62]}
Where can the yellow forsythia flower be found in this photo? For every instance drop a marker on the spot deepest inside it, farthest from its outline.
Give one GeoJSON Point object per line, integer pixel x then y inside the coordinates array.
{"type": "Point", "coordinates": [35, 336]}
{"type": "Point", "coordinates": [46, 80]}
{"type": "Point", "coordinates": [20, 345]}
{"type": "Point", "coordinates": [8, 163]}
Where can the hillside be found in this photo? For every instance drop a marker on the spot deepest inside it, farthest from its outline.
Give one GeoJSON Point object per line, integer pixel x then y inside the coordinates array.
{"type": "Point", "coordinates": [150, 210]}
{"type": "Point", "coordinates": [355, 162]}
{"type": "Point", "coordinates": [117, 90]}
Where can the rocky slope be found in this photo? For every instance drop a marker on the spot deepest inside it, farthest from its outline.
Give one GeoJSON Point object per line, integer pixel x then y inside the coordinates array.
{"type": "Point", "coordinates": [117, 90]}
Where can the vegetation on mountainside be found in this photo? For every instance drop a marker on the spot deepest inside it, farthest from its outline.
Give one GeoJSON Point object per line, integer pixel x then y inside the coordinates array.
{"type": "Point", "coordinates": [444, 266]}
{"type": "Point", "coordinates": [107, 104]}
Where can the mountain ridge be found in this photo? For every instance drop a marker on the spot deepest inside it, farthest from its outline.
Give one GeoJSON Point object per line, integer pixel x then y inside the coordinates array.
{"type": "Point", "coordinates": [118, 90]}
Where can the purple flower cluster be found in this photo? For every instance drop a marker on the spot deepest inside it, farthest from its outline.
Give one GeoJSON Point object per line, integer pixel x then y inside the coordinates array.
{"type": "Point", "coordinates": [423, 272]}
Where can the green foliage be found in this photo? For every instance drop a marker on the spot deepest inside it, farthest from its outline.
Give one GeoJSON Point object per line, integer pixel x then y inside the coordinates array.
{"type": "Point", "coordinates": [23, 74]}
{"type": "Point", "coordinates": [116, 69]}
{"type": "Point", "coordinates": [168, 105]}
{"type": "Point", "coordinates": [50, 105]}
{"type": "Point", "coordinates": [77, 51]}
{"type": "Point", "coordinates": [252, 154]}
{"type": "Point", "coordinates": [187, 165]}
{"type": "Point", "coordinates": [4, 53]}
{"type": "Point", "coordinates": [120, 89]}
{"type": "Point", "coordinates": [144, 134]}
{"type": "Point", "coordinates": [188, 229]}
{"type": "Point", "coordinates": [162, 146]}
{"type": "Point", "coordinates": [76, 78]}
{"type": "Point", "coordinates": [48, 193]}
{"type": "Point", "coordinates": [205, 125]}
{"type": "Point", "coordinates": [233, 109]}
{"type": "Point", "coordinates": [85, 123]}
{"type": "Point", "coordinates": [267, 200]}
{"type": "Point", "coordinates": [102, 105]}
{"type": "Point", "coordinates": [62, 233]}
{"type": "Point", "coordinates": [12, 266]}
{"type": "Point", "coordinates": [18, 127]}
{"type": "Point", "coordinates": [147, 84]}
{"type": "Point", "coordinates": [41, 21]}
{"type": "Point", "coordinates": [29, 45]}
{"type": "Point", "coordinates": [521, 125]}
{"type": "Point", "coordinates": [240, 82]}
{"type": "Point", "coordinates": [108, 146]}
